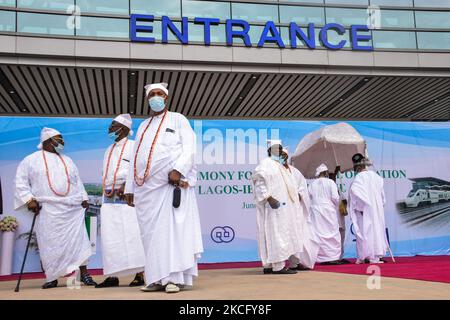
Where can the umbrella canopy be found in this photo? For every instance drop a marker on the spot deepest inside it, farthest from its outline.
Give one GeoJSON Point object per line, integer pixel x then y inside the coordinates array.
{"type": "Point", "coordinates": [333, 145]}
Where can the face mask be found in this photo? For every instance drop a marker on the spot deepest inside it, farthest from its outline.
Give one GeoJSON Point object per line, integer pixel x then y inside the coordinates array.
{"type": "Point", "coordinates": [59, 148]}
{"type": "Point", "coordinates": [114, 135]}
{"type": "Point", "coordinates": [157, 104]}
{"type": "Point", "coordinates": [277, 159]}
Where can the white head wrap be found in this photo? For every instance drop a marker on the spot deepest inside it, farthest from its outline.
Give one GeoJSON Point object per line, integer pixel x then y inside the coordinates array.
{"type": "Point", "coordinates": [321, 169]}
{"type": "Point", "coordinates": [47, 133]}
{"type": "Point", "coordinates": [163, 86]}
{"type": "Point", "coordinates": [125, 119]}
{"type": "Point", "coordinates": [271, 143]}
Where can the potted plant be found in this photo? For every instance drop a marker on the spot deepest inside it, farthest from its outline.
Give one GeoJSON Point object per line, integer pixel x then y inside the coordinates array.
{"type": "Point", "coordinates": [8, 227]}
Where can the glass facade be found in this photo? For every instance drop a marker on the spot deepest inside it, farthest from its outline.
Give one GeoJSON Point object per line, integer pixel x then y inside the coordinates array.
{"type": "Point", "coordinates": [347, 17]}
{"type": "Point", "coordinates": [103, 27]}
{"type": "Point", "coordinates": [7, 3]}
{"type": "Point", "coordinates": [302, 15]}
{"type": "Point", "coordinates": [157, 8]}
{"type": "Point", "coordinates": [53, 24]}
{"type": "Point", "coordinates": [102, 6]}
{"type": "Point", "coordinates": [61, 5]}
{"type": "Point", "coordinates": [394, 39]}
{"type": "Point", "coordinates": [433, 19]}
{"type": "Point", "coordinates": [392, 3]}
{"type": "Point", "coordinates": [433, 40]}
{"type": "Point", "coordinates": [397, 24]}
{"type": "Point", "coordinates": [432, 3]}
{"type": "Point", "coordinates": [206, 9]}
{"type": "Point", "coordinates": [255, 12]}
{"type": "Point", "coordinates": [396, 19]}
{"type": "Point", "coordinates": [7, 21]}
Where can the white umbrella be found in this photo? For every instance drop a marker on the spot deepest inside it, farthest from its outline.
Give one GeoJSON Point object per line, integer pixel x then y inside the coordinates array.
{"type": "Point", "coordinates": [334, 145]}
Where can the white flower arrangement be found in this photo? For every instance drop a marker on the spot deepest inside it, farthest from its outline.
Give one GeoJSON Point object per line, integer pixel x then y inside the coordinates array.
{"type": "Point", "coordinates": [9, 224]}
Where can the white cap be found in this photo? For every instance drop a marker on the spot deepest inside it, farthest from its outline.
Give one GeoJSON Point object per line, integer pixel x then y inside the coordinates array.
{"type": "Point", "coordinates": [163, 86]}
{"type": "Point", "coordinates": [321, 169]}
{"type": "Point", "coordinates": [125, 119]}
{"type": "Point", "coordinates": [271, 143]}
{"type": "Point", "coordinates": [47, 133]}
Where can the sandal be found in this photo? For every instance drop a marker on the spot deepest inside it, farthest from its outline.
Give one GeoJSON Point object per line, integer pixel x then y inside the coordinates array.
{"type": "Point", "coordinates": [87, 280]}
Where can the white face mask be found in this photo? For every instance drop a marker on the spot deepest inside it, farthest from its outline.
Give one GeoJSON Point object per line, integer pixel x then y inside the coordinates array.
{"type": "Point", "coordinates": [59, 148]}
{"type": "Point", "coordinates": [157, 104]}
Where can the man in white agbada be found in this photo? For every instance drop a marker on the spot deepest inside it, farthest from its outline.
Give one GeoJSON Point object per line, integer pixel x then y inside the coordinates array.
{"type": "Point", "coordinates": [366, 207]}
{"type": "Point", "coordinates": [342, 213]}
{"type": "Point", "coordinates": [162, 173]}
{"type": "Point", "coordinates": [307, 257]}
{"type": "Point", "coordinates": [325, 210]}
{"type": "Point", "coordinates": [48, 184]}
{"type": "Point", "coordinates": [279, 226]}
{"type": "Point", "coordinates": [122, 250]}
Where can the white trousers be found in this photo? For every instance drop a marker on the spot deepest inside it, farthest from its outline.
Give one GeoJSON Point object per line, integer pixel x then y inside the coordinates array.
{"type": "Point", "coordinates": [277, 266]}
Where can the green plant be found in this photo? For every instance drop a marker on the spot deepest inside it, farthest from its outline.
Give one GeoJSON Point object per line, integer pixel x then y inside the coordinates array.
{"type": "Point", "coordinates": [9, 224]}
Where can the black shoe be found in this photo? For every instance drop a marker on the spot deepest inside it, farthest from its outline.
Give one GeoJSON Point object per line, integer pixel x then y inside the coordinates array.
{"type": "Point", "coordinates": [383, 260]}
{"type": "Point", "coordinates": [345, 261]}
{"type": "Point", "coordinates": [109, 282]}
{"type": "Point", "coordinates": [285, 271]}
{"type": "Point", "coordinates": [300, 267]}
{"type": "Point", "coordinates": [87, 280]}
{"type": "Point", "coordinates": [331, 263]}
{"type": "Point", "coordinates": [51, 284]}
{"type": "Point", "coordinates": [137, 281]}
{"type": "Point", "coordinates": [267, 271]}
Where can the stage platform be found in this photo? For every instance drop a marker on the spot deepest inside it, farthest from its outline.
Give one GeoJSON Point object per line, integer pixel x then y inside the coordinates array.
{"type": "Point", "coordinates": [246, 283]}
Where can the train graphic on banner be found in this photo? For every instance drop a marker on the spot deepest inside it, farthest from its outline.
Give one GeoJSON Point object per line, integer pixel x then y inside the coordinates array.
{"type": "Point", "coordinates": [427, 204]}
{"type": "Point", "coordinates": [426, 191]}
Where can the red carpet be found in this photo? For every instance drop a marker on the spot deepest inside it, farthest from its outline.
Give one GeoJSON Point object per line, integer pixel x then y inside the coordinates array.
{"type": "Point", "coordinates": [427, 268]}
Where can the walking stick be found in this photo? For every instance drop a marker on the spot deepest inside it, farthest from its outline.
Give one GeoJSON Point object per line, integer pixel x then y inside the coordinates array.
{"type": "Point", "coordinates": [389, 245]}
{"type": "Point", "coordinates": [26, 252]}
{"type": "Point", "coordinates": [390, 252]}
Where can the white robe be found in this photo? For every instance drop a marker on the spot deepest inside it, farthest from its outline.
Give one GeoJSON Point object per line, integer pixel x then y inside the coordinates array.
{"type": "Point", "coordinates": [171, 236]}
{"type": "Point", "coordinates": [366, 201]}
{"type": "Point", "coordinates": [308, 256]}
{"type": "Point", "coordinates": [324, 212]}
{"type": "Point", "coordinates": [60, 227]}
{"type": "Point", "coordinates": [122, 250]}
{"type": "Point", "coordinates": [279, 231]}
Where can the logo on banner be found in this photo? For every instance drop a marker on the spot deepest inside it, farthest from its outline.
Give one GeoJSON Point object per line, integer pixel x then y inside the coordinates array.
{"type": "Point", "coordinates": [222, 234]}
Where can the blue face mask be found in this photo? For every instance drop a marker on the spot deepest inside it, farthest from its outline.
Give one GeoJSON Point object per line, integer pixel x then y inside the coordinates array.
{"type": "Point", "coordinates": [113, 135]}
{"type": "Point", "coordinates": [277, 158]}
{"type": "Point", "coordinates": [59, 148]}
{"type": "Point", "coordinates": [157, 104]}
